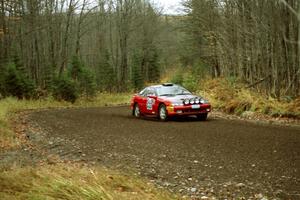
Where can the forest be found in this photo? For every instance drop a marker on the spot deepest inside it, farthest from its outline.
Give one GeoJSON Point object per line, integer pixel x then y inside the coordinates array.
{"type": "Point", "coordinates": [70, 48]}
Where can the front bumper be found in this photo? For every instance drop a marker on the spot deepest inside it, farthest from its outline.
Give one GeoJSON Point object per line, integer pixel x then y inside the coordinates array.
{"type": "Point", "coordinates": [188, 110]}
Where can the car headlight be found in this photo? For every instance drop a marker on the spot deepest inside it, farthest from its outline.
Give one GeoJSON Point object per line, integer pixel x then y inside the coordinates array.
{"type": "Point", "coordinates": [197, 101]}
{"type": "Point", "coordinates": [186, 101]}
{"type": "Point", "coordinates": [203, 101]}
{"type": "Point", "coordinates": [192, 101]}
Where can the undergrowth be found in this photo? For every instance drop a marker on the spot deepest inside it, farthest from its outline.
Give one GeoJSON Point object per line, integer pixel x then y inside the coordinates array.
{"type": "Point", "coordinates": [65, 180]}
{"type": "Point", "coordinates": [75, 182]}
{"type": "Point", "coordinates": [235, 98]}
{"type": "Point", "coordinates": [231, 96]}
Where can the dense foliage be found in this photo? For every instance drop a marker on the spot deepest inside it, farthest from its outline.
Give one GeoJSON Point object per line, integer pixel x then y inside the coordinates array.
{"type": "Point", "coordinates": [14, 82]}
{"type": "Point", "coordinates": [64, 88]}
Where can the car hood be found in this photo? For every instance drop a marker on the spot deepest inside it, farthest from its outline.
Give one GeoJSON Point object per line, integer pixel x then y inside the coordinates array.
{"type": "Point", "coordinates": [179, 98]}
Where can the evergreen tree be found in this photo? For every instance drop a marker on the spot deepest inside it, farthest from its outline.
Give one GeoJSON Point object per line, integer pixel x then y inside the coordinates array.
{"type": "Point", "coordinates": [87, 83]}
{"type": "Point", "coordinates": [106, 77]}
{"type": "Point", "coordinates": [49, 76]}
{"type": "Point", "coordinates": [154, 65]}
{"type": "Point", "coordinates": [64, 88]}
{"type": "Point", "coordinates": [83, 77]}
{"type": "Point", "coordinates": [15, 83]}
{"type": "Point", "coordinates": [137, 79]}
{"type": "Point", "coordinates": [76, 68]}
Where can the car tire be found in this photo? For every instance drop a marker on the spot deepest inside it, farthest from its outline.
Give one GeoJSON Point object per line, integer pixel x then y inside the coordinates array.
{"type": "Point", "coordinates": [162, 113]}
{"type": "Point", "coordinates": [202, 117]}
{"type": "Point", "coordinates": [136, 111]}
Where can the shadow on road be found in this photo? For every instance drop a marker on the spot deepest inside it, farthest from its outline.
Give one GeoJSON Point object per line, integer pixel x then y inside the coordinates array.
{"type": "Point", "coordinates": [173, 119]}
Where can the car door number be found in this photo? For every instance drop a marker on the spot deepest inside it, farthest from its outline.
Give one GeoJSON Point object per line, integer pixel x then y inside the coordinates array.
{"type": "Point", "coordinates": [150, 103]}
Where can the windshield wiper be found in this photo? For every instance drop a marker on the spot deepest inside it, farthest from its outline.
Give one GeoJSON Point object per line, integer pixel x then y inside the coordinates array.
{"type": "Point", "coordinates": [183, 94]}
{"type": "Point", "coordinates": [167, 95]}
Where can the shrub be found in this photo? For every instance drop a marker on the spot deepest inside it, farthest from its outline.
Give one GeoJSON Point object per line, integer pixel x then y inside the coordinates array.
{"type": "Point", "coordinates": [190, 82]}
{"type": "Point", "coordinates": [15, 83]}
{"type": "Point", "coordinates": [64, 88]}
{"type": "Point", "coordinates": [76, 68]}
{"type": "Point", "coordinates": [83, 77]}
{"type": "Point", "coordinates": [186, 77]}
{"type": "Point", "coordinates": [87, 83]}
{"type": "Point", "coordinates": [177, 78]}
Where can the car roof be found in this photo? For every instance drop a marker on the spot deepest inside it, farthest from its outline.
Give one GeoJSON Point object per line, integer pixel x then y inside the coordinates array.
{"type": "Point", "coordinates": [164, 85]}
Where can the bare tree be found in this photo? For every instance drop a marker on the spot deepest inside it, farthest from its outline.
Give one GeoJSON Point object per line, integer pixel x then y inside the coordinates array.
{"type": "Point", "coordinates": [255, 41]}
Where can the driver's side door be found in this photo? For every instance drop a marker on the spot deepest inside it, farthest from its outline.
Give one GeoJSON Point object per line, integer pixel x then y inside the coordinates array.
{"type": "Point", "coordinates": [143, 101]}
{"type": "Point", "coordinates": [151, 99]}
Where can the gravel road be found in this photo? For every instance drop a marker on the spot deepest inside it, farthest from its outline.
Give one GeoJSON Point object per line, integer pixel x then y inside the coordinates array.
{"type": "Point", "coordinates": [216, 159]}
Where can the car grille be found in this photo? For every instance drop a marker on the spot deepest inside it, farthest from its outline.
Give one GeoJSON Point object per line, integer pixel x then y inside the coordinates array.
{"type": "Point", "coordinates": [193, 110]}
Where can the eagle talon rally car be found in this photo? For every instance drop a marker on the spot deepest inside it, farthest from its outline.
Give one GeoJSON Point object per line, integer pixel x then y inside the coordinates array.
{"type": "Point", "coordinates": [169, 100]}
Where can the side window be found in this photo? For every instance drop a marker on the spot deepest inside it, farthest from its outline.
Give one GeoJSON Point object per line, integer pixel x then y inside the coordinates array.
{"type": "Point", "coordinates": [144, 92]}
{"type": "Point", "coordinates": [151, 92]}
{"type": "Point", "coordinates": [150, 101]}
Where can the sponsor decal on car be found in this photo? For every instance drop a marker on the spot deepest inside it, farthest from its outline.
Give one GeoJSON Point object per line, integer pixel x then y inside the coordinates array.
{"type": "Point", "coordinates": [150, 103]}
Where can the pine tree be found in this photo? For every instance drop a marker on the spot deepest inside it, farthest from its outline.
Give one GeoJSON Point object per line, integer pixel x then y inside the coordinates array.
{"type": "Point", "coordinates": [15, 83]}
{"type": "Point", "coordinates": [83, 77]}
{"type": "Point", "coordinates": [76, 68]}
{"type": "Point", "coordinates": [65, 88]}
{"type": "Point", "coordinates": [106, 77]}
{"type": "Point", "coordinates": [87, 83]}
{"type": "Point", "coordinates": [137, 79]}
{"type": "Point", "coordinates": [154, 65]}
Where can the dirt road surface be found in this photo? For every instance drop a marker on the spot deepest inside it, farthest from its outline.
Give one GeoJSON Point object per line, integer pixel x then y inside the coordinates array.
{"type": "Point", "coordinates": [216, 159]}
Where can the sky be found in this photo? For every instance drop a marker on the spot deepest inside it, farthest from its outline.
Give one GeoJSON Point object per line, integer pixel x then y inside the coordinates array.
{"type": "Point", "coordinates": [170, 6]}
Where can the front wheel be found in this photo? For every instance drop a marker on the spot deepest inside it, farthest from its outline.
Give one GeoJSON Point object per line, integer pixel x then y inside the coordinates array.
{"type": "Point", "coordinates": [202, 117]}
{"type": "Point", "coordinates": [163, 113]}
{"type": "Point", "coordinates": [136, 111]}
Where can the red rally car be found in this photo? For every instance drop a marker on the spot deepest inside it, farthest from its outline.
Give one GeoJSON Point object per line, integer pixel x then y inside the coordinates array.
{"type": "Point", "coordinates": [168, 100]}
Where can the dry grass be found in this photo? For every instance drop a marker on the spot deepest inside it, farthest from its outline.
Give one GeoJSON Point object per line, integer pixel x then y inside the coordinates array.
{"type": "Point", "coordinates": [67, 181]}
{"type": "Point", "coordinates": [236, 99]}
{"type": "Point", "coordinates": [75, 182]}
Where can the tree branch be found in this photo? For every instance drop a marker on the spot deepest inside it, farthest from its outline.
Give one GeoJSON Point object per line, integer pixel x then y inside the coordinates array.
{"type": "Point", "coordinates": [290, 8]}
{"type": "Point", "coordinates": [258, 82]}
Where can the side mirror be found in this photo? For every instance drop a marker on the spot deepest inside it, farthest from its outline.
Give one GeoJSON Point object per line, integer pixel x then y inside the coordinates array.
{"type": "Point", "coordinates": [152, 96]}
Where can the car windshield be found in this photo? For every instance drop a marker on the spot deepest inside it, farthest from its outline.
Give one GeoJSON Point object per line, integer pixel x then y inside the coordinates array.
{"type": "Point", "coordinates": [172, 91]}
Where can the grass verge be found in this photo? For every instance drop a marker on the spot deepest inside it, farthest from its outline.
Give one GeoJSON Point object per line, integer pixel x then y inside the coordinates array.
{"type": "Point", "coordinates": [9, 106]}
{"type": "Point", "coordinates": [235, 98]}
{"type": "Point", "coordinates": [74, 182]}
{"type": "Point", "coordinates": [66, 181]}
